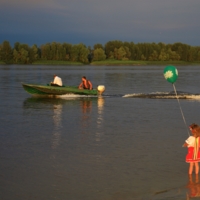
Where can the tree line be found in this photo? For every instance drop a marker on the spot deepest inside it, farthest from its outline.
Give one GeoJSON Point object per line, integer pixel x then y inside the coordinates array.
{"type": "Point", "coordinates": [118, 50]}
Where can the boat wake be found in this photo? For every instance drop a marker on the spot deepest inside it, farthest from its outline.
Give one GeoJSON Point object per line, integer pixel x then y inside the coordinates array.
{"type": "Point", "coordinates": [153, 95]}
{"type": "Point", "coordinates": [164, 95]}
{"type": "Point", "coordinates": [71, 96]}
{"type": "Point", "coordinates": [65, 96]}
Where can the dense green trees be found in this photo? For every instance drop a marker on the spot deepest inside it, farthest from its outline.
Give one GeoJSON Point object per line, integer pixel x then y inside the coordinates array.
{"type": "Point", "coordinates": [98, 54]}
{"type": "Point", "coordinates": [6, 52]}
{"type": "Point", "coordinates": [22, 53]}
{"type": "Point", "coordinates": [118, 50]}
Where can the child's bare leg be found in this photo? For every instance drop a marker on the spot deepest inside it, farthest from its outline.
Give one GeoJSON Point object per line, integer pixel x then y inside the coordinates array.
{"type": "Point", "coordinates": [191, 168]}
{"type": "Point", "coordinates": [196, 167]}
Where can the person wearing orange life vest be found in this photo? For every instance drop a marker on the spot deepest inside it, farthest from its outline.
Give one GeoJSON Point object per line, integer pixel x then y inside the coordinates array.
{"type": "Point", "coordinates": [85, 84]}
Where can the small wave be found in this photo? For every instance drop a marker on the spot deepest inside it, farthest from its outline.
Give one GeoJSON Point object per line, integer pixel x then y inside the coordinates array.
{"type": "Point", "coordinates": [164, 95]}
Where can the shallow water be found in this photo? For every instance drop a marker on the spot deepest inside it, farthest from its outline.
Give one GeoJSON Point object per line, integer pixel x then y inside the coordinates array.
{"type": "Point", "coordinates": [95, 148]}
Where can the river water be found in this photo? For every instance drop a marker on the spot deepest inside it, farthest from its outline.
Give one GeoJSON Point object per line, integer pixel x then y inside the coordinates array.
{"type": "Point", "coordinates": [114, 147]}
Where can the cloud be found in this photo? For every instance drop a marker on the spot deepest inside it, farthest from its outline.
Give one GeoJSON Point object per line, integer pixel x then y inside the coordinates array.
{"type": "Point", "coordinates": [147, 20]}
{"type": "Point", "coordinates": [28, 4]}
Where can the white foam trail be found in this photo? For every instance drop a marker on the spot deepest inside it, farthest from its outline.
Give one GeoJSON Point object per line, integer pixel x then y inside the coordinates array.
{"type": "Point", "coordinates": [66, 96]}
{"type": "Point", "coordinates": [163, 95]}
{"type": "Point", "coordinates": [132, 95]}
{"type": "Point", "coordinates": [195, 97]}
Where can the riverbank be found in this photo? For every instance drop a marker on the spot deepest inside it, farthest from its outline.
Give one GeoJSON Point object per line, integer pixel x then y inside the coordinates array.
{"type": "Point", "coordinates": [142, 63]}
{"type": "Point", "coordinates": [112, 63]}
{"type": "Point", "coordinates": [116, 63]}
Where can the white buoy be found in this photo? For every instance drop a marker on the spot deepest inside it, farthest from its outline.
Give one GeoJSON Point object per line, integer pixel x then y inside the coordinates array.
{"type": "Point", "coordinates": [101, 89]}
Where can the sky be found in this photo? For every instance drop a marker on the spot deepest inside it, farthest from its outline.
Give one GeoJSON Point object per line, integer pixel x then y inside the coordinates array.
{"type": "Point", "coordinates": [100, 21]}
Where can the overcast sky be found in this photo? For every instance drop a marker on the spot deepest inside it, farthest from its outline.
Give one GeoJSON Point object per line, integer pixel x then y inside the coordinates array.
{"type": "Point", "coordinates": [99, 21]}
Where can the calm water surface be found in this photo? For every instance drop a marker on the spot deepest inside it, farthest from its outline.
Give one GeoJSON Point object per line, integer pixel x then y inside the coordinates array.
{"type": "Point", "coordinates": [108, 148]}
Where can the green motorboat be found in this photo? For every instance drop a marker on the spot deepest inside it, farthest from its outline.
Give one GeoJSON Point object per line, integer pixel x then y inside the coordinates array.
{"type": "Point", "coordinates": [47, 90]}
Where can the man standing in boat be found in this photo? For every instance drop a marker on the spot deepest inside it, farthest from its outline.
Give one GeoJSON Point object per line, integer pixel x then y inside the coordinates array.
{"type": "Point", "coordinates": [57, 81]}
{"type": "Point", "coordinates": [85, 84]}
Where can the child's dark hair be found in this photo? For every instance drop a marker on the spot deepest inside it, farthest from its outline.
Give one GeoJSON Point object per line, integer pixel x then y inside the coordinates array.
{"type": "Point", "coordinates": [193, 126]}
{"type": "Point", "coordinates": [196, 128]}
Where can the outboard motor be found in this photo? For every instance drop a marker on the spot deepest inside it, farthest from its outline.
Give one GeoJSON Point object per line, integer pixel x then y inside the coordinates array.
{"type": "Point", "coordinates": [101, 89]}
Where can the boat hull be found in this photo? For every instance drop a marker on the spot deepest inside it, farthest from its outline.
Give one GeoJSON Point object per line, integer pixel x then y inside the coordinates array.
{"type": "Point", "coordinates": [46, 90]}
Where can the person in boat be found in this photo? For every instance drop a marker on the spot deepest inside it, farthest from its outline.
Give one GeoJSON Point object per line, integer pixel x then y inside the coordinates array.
{"type": "Point", "coordinates": [85, 84]}
{"type": "Point", "coordinates": [57, 81]}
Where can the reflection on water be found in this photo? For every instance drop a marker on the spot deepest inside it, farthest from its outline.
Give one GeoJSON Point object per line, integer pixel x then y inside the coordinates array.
{"type": "Point", "coordinates": [57, 119]}
{"type": "Point", "coordinates": [87, 117]}
{"type": "Point", "coordinates": [36, 103]}
{"type": "Point", "coordinates": [193, 187]}
{"type": "Point", "coordinates": [86, 106]}
{"type": "Point", "coordinates": [100, 104]}
{"type": "Point", "coordinates": [56, 105]}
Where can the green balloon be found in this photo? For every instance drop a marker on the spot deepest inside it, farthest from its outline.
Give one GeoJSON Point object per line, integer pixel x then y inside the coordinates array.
{"type": "Point", "coordinates": [171, 74]}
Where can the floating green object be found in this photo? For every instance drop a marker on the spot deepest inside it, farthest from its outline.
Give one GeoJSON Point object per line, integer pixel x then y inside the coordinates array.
{"type": "Point", "coordinates": [171, 74]}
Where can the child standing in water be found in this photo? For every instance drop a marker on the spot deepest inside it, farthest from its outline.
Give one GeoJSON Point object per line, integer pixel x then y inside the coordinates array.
{"type": "Point", "coordinates": [193, 144]}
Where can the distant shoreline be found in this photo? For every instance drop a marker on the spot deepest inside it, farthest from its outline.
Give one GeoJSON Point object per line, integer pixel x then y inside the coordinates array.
{"type": "Point", "coordinates": [110, 63]}
{"type": "Point", "coordinates": [141, 63]}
